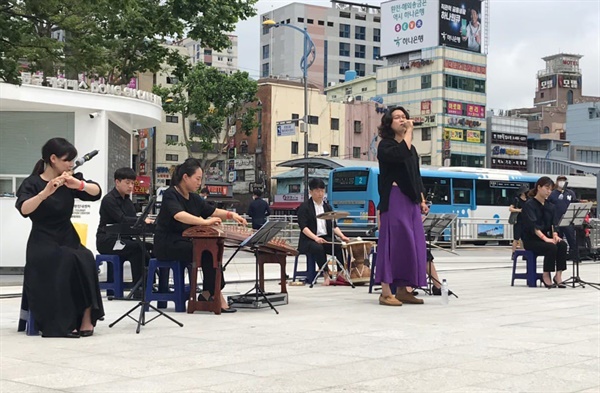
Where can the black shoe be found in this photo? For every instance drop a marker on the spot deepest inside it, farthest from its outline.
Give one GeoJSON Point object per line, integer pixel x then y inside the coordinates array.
{"type": "Point", "coordinates": [228, 310]}
{"type": "Point", "coordinates": [86, 333]}
{"type": "Point", "coordinates": [547, 285]}
{"type": "Point", "coordinates": [558, 284]}
{"type": "Point", "coordinates": [201, 298]}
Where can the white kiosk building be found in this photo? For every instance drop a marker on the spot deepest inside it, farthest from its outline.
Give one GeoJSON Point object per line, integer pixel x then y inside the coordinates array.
{"type": "Point", "coordinates": [97, 117]}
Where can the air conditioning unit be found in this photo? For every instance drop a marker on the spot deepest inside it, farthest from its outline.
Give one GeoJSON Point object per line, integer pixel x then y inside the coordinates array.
{"type": "Point", "coordinates": [349, 99]}
{"type": "Point", "coordinates": [329, 84]}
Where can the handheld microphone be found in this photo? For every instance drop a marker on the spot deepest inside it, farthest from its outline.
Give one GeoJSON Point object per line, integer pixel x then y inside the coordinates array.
{"type": "Point", "coordinates": [564, 188]}
{"type": "Point", "coordinates": [82, 160]}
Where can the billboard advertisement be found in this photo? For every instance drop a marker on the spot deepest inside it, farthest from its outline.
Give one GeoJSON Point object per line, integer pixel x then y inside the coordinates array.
{"type": "Point", "coordinates": [460, 24]}
{"type": "Point", "coordinates": [408, 25]}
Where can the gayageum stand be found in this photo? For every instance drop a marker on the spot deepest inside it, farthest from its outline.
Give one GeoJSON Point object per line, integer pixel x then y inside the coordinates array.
{"type": "Point", "coordinates": [434, 225]}
{"type": "Point", "coordinates": [139, 228]}
{"type": "Point", "coordinates": [260, 238]}
{"type": "Point", "coordinates": [574, 216]}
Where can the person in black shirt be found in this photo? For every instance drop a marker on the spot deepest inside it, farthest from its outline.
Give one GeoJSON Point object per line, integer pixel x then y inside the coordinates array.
{"type": "Point", "coordinates": [516, 207]}
{"type": "Point", "coordinates": [561, 198]}
{"type": "Point", "coordinates": [315, 233]}
{"type": "Point", "coordinates": [60, 279]}
{"type": "Point", "coordinates": [117, 208]}
{"type": "Point", "coordinates": [539, 234]}
{"type": "Point", "coordinates": [401, 252]}
{"type": "Point", "coordinates": [181, 209]}
{"type": "Point", "coordinates": [258, 210]}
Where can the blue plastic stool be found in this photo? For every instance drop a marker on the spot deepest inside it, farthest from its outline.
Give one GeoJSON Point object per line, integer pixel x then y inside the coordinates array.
{"type": "Point", "coordinates": [530, 274]}
{"type": "Point", "coordinates": [180, 291]}
{"type": "Point", "coordinates": [26, 320]}
{"type": "Point", "coordinates": [310, 272]}
{"type": "Point", "coordinates": [114, 285]}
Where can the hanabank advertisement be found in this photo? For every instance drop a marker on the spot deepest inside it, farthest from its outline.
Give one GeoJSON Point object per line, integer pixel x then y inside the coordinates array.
{"type": "Point", "coordinates": [461, 24]}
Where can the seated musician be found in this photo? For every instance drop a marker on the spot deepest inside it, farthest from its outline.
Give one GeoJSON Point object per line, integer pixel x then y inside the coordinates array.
{"type": "Point", "coordinates": [314, 232]}
{"type": "Point", "coordinates": [181, 209]}
{"type": "Point", "coordinates": [117, 208]}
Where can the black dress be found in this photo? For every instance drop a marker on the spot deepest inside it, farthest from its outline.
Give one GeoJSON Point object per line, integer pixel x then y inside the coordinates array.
{"type": "Point", "coordinates": [170, 245]}
{"type": "Point", "coordinates": [61, 279]}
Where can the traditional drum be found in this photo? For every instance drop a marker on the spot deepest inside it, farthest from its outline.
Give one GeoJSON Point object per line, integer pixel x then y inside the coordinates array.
{"type": "Point", "coordinates": [360, 268]}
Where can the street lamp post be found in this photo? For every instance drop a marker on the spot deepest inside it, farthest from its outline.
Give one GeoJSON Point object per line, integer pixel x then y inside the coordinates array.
{"type": "Point", "coordinates": [546, 159]}
{"type": "Point", "coordinates": [305, 63]}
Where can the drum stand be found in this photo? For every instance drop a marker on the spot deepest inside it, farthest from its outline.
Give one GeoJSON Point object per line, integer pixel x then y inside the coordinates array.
{"type": "Point", "coordinates": [333, 258]}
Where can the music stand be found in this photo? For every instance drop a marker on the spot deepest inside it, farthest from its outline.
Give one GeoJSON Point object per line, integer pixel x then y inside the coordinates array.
{"type": "Point", "coordinates": [140, 225]}
{"type": "Point", "coordinates": [574, 216]}
{"type": "Point", "coordinates": [260, 238]}
{"type": "Point", "coordinates": [435, 225]}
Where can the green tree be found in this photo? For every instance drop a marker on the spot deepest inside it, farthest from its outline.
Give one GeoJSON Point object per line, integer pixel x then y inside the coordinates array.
{"type": "Point", "coordinates": [214, 102]}
{"type": "Point", "coordinates": [115, 39]}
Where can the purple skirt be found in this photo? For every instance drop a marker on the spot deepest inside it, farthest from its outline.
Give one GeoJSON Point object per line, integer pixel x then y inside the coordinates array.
{"type": "Point", "coordinates": [401, 250]}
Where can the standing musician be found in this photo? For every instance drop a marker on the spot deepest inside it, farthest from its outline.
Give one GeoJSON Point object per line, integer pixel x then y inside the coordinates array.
{"type": "Point", "coordinates": [258, 210]}
{"type": "Point", "coordinates": [401, 252]}
{"type": "Point", "coordinates": [117, 208]}
{"type": "Point", "coordinates": [181, 209]}
{"type": "Point", "coordinates": [561, 197]}
{"type": "Point", "coordinates": [314, 232]}
{"type": "Point", "coordinates": [61, 281]}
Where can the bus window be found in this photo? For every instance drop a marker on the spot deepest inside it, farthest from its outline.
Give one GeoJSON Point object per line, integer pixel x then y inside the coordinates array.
{"type": "Point", "coordinates": [437, 189]}
{"type": "Point", "coordinates": [350, 181]}
{"type": "Point", "coordinates": [496, 193]}
{"type": "Point", "coordinates": [462, 197]}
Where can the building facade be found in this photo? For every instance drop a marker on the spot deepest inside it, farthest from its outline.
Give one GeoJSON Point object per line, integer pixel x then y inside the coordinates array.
{"type": "Point", "coordinates": [335, 129]}
{"type": "Point", "coordinates": [225, 60]}
{"type": "Point", "coordinates": [357, 89]}
{"type": "Point", "coordinates": [506, 142]}
{"type": "Point", "coordinates": [445, 89]}
{"type": "Point", "coordinates": [583, 127]}
{"type": "Point", "coordinates": [558, 85]}
{"type": "Point", "coordinates": [346, 37]}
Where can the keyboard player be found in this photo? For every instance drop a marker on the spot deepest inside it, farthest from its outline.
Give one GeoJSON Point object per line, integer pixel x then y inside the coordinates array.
{"type": "Point", "coordinates": [117, 208]}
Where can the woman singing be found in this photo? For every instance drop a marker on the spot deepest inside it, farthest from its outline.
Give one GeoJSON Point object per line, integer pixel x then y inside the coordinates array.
{"type": "Point", "coordinates": [61, 281]}
{"type": "Point", "coordinates": [401, 253]}
{"type": "Point", "coordinates": [539, 234]}
{"type": "Point", "coordinates": [181, 209]}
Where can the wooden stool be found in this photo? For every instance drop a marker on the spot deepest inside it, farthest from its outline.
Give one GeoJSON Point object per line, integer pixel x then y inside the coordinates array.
{"type": "Point", "coordinates": [268, 257]}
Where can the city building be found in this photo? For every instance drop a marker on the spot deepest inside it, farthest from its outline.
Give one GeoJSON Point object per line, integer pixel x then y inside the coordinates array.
{"type": "Point", "coordinates": [346, 37]}
{"type": "Point", "coordinates": [559, 85]}
{"type": "Point", "coordinates": [583, 126]}
{"type": "Point", "coordinates": [444, 89]}
{"type": "Point", "coordinates": [352, 89]}
{"type": "Point", "coordinates": [335, 129]}
{"type": "Point", "coordinates": [436, 69]}
{"type": "Point", "coordinates": [506, 142]}
{"type": "Point", "coordinates": [225, 60]}
{"type": "Point", "coordinates": [93, 116]}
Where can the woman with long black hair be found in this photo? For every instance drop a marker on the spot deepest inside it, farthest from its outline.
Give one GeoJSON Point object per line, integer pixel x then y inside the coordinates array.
{"type": "Point", "coordinates": [61, 280]}
{"type": "Point", "coordinates": [539, 234]}
{"type": "Point", "coordinates": [181, 208]}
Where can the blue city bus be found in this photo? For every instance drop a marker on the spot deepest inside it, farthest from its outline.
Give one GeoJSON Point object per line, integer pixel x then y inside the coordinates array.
{"type": "Point", "coordinates": [480, 194]}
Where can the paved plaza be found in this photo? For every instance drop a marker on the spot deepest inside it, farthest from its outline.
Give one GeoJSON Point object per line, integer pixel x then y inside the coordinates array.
{"type": "Point", "coordinates": [493, 338]}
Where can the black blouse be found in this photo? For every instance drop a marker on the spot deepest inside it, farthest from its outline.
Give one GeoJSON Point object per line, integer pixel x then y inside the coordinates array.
{"type": "Point", "coordinates": [398, 164]}
{"type": "Point", "coordinates": [168, 229]}
{"type": "Point", "coordinates": [537, 216]}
